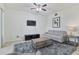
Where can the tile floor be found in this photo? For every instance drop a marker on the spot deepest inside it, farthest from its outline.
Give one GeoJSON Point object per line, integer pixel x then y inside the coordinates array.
{"type": "Point", "coordinates": [76, 52]}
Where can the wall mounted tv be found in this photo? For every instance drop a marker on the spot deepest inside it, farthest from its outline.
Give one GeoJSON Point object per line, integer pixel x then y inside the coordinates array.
{"type": "Point", "coordinates": [31, 23]}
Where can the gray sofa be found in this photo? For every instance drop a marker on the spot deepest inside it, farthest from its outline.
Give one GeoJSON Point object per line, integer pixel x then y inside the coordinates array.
{"type": "Point", "coordinates": [56, 35]}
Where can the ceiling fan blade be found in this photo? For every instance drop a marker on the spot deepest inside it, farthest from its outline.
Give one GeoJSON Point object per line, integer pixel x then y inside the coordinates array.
{"type": "Point", "coordinates": [33, 8]}
{"type": "Point", "coordinates": [44, 5]}
{"type": "Point", "coordinates": [35, 4]}
{"type": "Point", "coordinates": [44, 9]}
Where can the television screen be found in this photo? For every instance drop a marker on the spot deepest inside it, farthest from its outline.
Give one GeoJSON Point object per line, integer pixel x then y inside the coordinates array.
{"type": "Point", "coordinates": [31, 23]}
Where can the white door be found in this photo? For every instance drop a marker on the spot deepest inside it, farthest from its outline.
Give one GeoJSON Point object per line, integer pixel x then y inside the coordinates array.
{"type": "Point", "coordinates": [0, 28]}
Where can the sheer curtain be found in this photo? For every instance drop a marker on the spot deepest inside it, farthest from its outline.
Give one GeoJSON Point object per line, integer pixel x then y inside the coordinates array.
{"type": "Point", "coordinates": [1, 27]}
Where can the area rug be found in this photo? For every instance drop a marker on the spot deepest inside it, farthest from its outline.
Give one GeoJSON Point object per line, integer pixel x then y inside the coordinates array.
{"type": "Point", "coordinates": [58, 49]}
{"type": "Point", "coordinates": [55, 49]}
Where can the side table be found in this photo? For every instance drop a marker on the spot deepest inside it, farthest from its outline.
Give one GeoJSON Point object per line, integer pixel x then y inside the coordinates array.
{"type": "Point", "coordinates": [76, 38]}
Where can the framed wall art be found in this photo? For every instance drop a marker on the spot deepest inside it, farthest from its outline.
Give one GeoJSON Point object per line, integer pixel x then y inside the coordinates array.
{"type": "Point", "coordinates": [56, 22]}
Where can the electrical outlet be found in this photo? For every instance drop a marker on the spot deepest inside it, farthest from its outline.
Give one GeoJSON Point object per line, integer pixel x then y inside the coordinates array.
{"type": "Point", "coordinates": [18, 36]}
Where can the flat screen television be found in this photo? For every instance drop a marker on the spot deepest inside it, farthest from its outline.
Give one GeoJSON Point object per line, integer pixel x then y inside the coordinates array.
{"type": "Point", "coordinates": [31, 23]}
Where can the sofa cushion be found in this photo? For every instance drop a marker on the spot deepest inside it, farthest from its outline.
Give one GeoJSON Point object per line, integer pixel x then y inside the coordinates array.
{"type": "Point", "coordinates": [56, 35]}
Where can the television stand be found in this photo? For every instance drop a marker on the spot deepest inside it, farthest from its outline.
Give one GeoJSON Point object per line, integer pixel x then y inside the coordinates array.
{"type": "Point", "coordinates": [31, 36]}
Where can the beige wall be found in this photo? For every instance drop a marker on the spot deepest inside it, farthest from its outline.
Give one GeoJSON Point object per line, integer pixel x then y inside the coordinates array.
{"type": "Point", "coordinates": [15, 24]}
{"type": "Point", "coordinates": [69, 17]}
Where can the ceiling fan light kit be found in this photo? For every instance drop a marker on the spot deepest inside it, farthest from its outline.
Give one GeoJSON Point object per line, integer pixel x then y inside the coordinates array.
{"type": "Point", "coordinates": [39, 7]}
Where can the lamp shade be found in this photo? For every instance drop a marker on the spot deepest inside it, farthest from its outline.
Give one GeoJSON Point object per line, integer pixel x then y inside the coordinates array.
{"type": "Point", "coordinates": [72, 30]}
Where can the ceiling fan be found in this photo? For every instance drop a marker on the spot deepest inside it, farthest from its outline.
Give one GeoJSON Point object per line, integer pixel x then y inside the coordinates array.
{"type": "Point", "coordinates": [39, 7]}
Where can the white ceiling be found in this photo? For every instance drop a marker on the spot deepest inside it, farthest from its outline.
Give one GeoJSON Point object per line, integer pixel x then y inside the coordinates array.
{"type": "Point", "coordinates": [51, 7]}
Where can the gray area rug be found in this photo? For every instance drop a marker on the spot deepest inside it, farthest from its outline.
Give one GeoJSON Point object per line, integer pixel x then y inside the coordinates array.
{"type": "Point", "coordinates": [55, 49]}
{"type": "Point", "coordinates": [58, 49]}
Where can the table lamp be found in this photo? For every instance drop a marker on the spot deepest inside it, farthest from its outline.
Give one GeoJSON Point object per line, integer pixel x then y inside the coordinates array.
{"type": "Point", "coordinates": [72, 30]}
